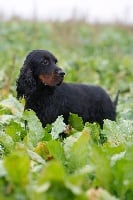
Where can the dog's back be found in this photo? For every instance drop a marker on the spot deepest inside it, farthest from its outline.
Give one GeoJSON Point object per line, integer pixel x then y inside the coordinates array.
{"type": "Point", "coordinates": [92, 103]}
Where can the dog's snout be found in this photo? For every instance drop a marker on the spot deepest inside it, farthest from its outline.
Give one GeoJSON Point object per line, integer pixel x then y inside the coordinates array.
{"type": "Point", "coordinates": [61, 73]}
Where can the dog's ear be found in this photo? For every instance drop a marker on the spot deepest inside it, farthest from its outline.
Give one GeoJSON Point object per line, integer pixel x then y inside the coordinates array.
{"type": "Point", "coordinates": [26, 84]}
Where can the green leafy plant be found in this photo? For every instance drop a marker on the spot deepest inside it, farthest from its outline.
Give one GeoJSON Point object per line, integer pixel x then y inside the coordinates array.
{"type": "Point", "coordinates": [37, 163]}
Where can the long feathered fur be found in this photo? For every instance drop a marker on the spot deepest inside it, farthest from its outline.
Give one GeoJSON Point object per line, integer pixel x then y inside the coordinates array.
{"type": "Point", "coordinates": [40, 83]}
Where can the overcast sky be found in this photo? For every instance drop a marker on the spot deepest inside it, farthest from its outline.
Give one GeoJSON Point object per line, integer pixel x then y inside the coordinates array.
{"type": "Point", "coordinates": [93, 10]}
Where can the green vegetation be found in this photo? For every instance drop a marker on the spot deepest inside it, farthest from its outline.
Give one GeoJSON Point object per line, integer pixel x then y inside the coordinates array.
{"type": "Point", "coordinates": [90, 163]}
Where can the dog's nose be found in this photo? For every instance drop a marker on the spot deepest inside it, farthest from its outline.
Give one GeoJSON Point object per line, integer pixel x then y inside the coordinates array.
{"type": "Point", "coordinates": [61, 73]}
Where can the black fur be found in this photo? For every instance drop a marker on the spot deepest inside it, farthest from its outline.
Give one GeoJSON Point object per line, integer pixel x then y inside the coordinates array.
{"type": "Point", "coordinates": [40, 83]}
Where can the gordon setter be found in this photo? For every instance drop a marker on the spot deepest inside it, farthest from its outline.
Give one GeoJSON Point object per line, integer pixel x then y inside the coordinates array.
{"type": "Point", "coordinates": [41, 84]}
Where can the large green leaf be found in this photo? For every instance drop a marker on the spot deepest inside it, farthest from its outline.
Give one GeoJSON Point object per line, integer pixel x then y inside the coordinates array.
{"type": "Point", "coordinates": [56, 150]}
{"type": "Point", "coordinates": [54, 171]}
{"type": "Point", "coordinates": [12, 104]}
{"type": "Point", "coordinates": [34, 128]}
{"type": "Point", "coordinates": [17, 165]}
{"type": "Point", "coordinates": [118, 133]}
{"type": "Point", "coordinates": [123, 173]}
{"type": "Point", "coordinates": [100, 161]}
{"type": "Point", "coordinates": [6, 142]}
{"type": "Point", "coordinates": [58, 127]}
{"type": "Point", "coordinates": [15, 131]}
{"type": "Point", "coordinates": [76, 151]}
{"type": "Point", "coordinates": [76, 122]}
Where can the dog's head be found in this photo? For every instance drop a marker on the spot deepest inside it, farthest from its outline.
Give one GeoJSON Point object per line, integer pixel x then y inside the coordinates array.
{"type": "Point", "coordinates": [40, 66]}
{"type": "Point", "coordinates": [43, 65]}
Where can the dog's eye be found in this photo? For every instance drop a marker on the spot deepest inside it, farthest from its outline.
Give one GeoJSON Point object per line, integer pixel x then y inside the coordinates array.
{"type": "Point", "coordinates": [45, 62]}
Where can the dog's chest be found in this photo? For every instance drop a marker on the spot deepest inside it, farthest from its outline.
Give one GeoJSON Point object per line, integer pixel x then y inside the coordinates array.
{"type": "Point", "coordinates": [48, 108]}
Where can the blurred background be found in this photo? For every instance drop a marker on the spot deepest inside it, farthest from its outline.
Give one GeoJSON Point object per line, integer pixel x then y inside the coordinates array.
{"type": "Point", "coordinates": [92, 11]}
{"type": "Point", "coordinates": [93, 41]}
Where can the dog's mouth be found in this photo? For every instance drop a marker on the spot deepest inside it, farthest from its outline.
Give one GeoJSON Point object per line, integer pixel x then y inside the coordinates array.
{"type": "Point", "coordinates": [53, 79]}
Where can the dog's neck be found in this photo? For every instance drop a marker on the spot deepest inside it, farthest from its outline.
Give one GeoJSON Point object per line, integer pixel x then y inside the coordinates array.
{"type": "Point", "coordinates": [41, 91]}
{"type": "Point", "coordinates": [48, 90]}
{"type": "Point", "coordinates": [45, 89]}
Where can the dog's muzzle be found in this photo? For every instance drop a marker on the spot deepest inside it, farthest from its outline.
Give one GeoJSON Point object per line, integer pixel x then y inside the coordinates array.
{"type": "Point", "coordinates": [52, 79]}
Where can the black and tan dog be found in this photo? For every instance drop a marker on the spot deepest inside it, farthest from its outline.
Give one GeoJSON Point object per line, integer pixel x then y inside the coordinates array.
{"type": "Point", "coordinates": [41, 84]}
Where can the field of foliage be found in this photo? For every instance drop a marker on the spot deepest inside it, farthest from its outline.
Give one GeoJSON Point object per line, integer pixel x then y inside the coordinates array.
{"type": "Point", "coordinates": [90, 163]}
